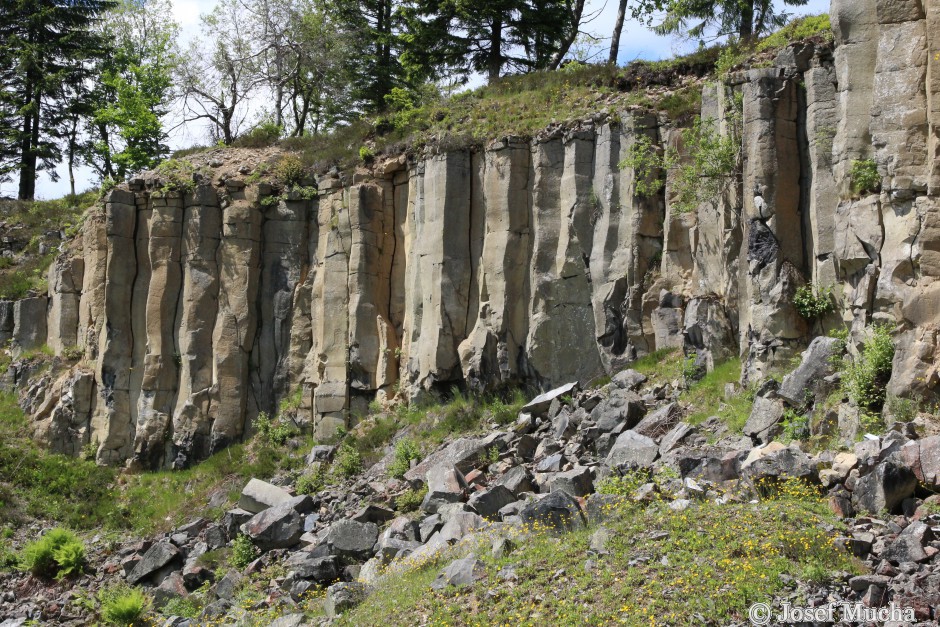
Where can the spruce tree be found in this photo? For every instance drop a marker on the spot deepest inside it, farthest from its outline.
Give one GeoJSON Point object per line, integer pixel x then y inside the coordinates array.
{"type": "Point", "coordinates": [48, 46]}
{"type": "Point", "coordinates": [489, 36]}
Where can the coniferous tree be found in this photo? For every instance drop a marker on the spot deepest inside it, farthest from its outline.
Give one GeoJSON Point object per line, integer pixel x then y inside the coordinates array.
{"type": "Point", "coordinates": [377, 27]}
{"type": "Point", "coordinates": [48, 46]}
{"type": "Point", "coordinates": [745, 19]}
{"type": "Point", "coordinates": [488, 36]}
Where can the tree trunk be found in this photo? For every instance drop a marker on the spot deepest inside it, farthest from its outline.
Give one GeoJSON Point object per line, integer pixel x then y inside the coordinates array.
{"type": "Point", "coordinates": [746, 29]}
{"type": "Point", "coordinates": [27, 190]}
{"type": "Point", "coordinates": [72, 147]}
{"type": "Point", "coordinates": [565, 46]}
{"type": "Point", "coordinates": [615, 37]}
{"type": "Point", "coordinates": [495, 61]}
{"type": "Point", "coordinates": [107, 170]}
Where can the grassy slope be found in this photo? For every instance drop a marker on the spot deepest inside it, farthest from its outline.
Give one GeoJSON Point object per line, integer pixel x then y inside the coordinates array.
{"type": "Point", "coordinates": [706, 397]}
{"type": "Point", "coordinates": [526, 105]}
{"type": "Point", "coordinates": [708, 561]}
{"type": "Point", "coordinates": [81, 495]}
{"type": "Point", "coordinates": [27, 223]}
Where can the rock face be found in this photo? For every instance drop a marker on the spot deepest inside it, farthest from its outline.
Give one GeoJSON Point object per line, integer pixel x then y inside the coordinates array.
{"type": "Point", "coordinates": [529, 261]}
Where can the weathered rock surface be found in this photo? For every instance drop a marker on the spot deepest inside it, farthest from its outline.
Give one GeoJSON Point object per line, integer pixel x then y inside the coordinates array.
{"type": "Point", "coordinates": [275, 528]}
{"type": "Point", "coordinates": [528, 261]}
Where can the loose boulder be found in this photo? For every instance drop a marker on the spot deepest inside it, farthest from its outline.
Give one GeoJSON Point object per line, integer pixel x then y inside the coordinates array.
{"type": "Point", "coordinates": [342, 597]}
{"type": "Point", "coordinates": [776, 461]}
{"type": "Point", "coordinates": [445, 485]}
{"type": "Point", "coordinates": [351, 539]}
{"type": "Point", "coordinates": [155, 559]}
{"type": "Point", "coordinates": [540, 404]}
{"type": "Point", "coordinates": [488, 502]}
{"type": "Point", "coordinates": [559, 511]}
{"type": "Point", "coordinates": [632, 450]}
{"type": "Point", "coordinates": [259, 495]}
{"type": "Point", "coordinates": [307, 566]}
{"type": "Point", "coordinates": [801, 386]}
{"type": "Point", "coordinates": [577, 481]}
{"type": "Point", "coordinates": [460, 572]}
{"type": "Point", "coordinates": [278, 527]}
{"type": "Point", "coordinates": [764, 421]}
{"type": "Point", "coordinates": [884, 488]}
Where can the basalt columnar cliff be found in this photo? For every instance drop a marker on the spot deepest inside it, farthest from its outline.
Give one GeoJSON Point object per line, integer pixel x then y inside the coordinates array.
{"type": "Point", "coordinates": [525, 261]}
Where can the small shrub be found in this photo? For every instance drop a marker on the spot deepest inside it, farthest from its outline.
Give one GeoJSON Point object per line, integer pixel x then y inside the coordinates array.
{"type": "Point", "coordinates": [902, 409]}
{"type": "Point", "coordinates": [71, 559]}
{"type": "Point", "coordinates": [178, 176]}
{"type": "Point", "coordinates": [8, 558]}
{"type": "Point", "coordinates": [122, 605]}
{"type": "Point", "coordinates": [795, 425]}
{"type": "Point", "coordinates": [864, 176]}
{"type": "Point", "coordinates": [270, 201]}
{"type": "Point", "coordinates": [865, 378]}
{"type": "Point", "coordinates": [292, 402]}
{"type": "Point", "coordinates": [405, 450]}
{"type": "Point", "coordinates": [411, 499]}
{"type": "Point", "coordinates": [107, 184]}
{"type": "Point", "coordinates": [492, 455]}
{"type": "Point", "coordinates": [42, 557]}
{"type": "Point", "coordinates": [243, 551]}
{"type": "Point", "coordinates": [348, 461]}
{"type": "Point", "coordinates": [289, 170]}
{"type": "Point", "coordinates": [266, 133]}
{"type": "Point", "coordinates": [503, 412]}
{"type": "Point", "coordinates": [812, 302]}
{"type": "Point", "coordinates": [189, 607]}
{"type": "Point", "coordinates": [690, 371]}
{"type": "Point", "coordinates": [274, 431]}
{"type": "Point", "coordinates": [871, 423]}
{"type": "Point", "coordinates": [310, 483]}
{"type": "Point", "coordinates": [366, 155]}
{"type": "Point", "coordinates": [648, 165]}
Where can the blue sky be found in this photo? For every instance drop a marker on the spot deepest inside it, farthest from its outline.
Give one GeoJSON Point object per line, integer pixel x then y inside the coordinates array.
{"type": "Point", "coordinates": [636, 43]}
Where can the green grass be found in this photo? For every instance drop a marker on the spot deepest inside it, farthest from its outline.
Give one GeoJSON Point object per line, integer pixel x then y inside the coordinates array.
{"type": "Point", "coordinates": [429, 425]}
{"type": "Point", "coordinates": [35, 483]}
{"type": "Point", "coordinates": [525, 105]}
{"type": "Point", "coordinates": [660, 366]}
{"type": "Point", "coordinates": [80, 495]}
{"type": "Point", "coordinates": [157, 501]}
{"type": "Point", "coordinates": [27, 272]}
{"type": "Point", "coordinates": [797, 30]}
{"type": "Point", "coordinates": [83, 496]}
{"type": "Point", "coordinates": [721, 559]}
{"type": "Point", "coordinates": [707, 397]}
{"type": "Point", "coordinates": [123, 606]}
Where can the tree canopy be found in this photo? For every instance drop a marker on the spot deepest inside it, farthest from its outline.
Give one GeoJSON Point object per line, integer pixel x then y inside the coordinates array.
{"type": "Point", "coordinates": [97, 82]}
{"type": "Point", "coordinates": [49, 48]}
{"type": "Point", "coordinates": [745, 19]}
